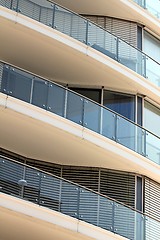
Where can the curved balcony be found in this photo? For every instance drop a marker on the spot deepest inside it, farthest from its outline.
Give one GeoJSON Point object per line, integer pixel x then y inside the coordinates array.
{"type": "Point", "coordinates": [60, 195]}
{"type": "Point", "coordinates": [153, 6]}
{"type": "Point", "coordinates": [90, 34]}
{"type": "Point", "coordinates": [81, 110]}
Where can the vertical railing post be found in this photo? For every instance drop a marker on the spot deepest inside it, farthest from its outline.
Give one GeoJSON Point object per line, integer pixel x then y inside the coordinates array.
{"type": "Point", "coordinates": [65, 102]}
{"type": "Point", "coordinates": [87, 28]}
{"type": "Point", "coordinates": [113, 216]}
{"type": "Point", "coordinates": [117, 49]}
{"type": "Point", "coordinates": [60, 195]}
{"type": "Point", "coordinates": [17, 9]}
{"type": "Point", "coordinates": [54, 11]}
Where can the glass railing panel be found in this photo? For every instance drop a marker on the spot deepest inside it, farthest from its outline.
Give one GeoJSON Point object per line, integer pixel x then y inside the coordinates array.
{"type": "Point", "coordinates": [40, 93]}
{"type": "Point", "coordinates": [153, 147]}
{"type": "Point", "coordinates": [70, 24]}
{"type": "Point", "coordinates": [6, 3]}
{"type": "Point", "coordinates": [124, 221]}
{"type": "Point", "coordinates": [88, 206]}
{"type": "Point", "coordinates": [108, 124]}
{"type": "Point", "coordinates": [50, 192]}
{"type": "Point", "coordinates": [126, 133]}
{"type": "Point", "coordinates": [130, 57]}
{"type": "Point", "coordinates": [75, 108]}
{"type": "Point", "coordinates": [140, 2]}
{"type": "Point", "coordinates": [153, 6]}
{"type": "Point", "coordinates": [152, 229]}
{"type": "Point", "coordinates": [102, 41]}
{"type": "Point", "coordinates": [139, 226]}
{"type": "Point", "coordinates": [152, 71]}
{"type": "Point", "coordinates": [46, 13]}
{"type": "Point", "coordinates": [92, 116]}
{"type": "Point", "coordinates": [29, 9]}
{"type": "Point", "coordinates": [10, 175]}
{"type": "Point", "coordinates": [32, 189]}
{"type": "Point", "coordinates": [16, 83]}
{"type": "Point", "coordinates": [69, 199]}
{"type": "Point", "coordinates": [105, 214]}
{"type": "Point", "coordinates": [56, 99]}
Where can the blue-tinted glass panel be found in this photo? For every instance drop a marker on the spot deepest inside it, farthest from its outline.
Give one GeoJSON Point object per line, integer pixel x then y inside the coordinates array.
{"type": "Point", "coordinates": [19, 84]}
{"type": "Point", "coordinates": [40, 93]}
{"type": "Point", "coordinates": [56, 99]}
{"type": "Point", "coordinates": [92, 116]}
{"type": "Point", "coordinates": [122, 104]}
{"type": "Point", "coordinates": [108, 124]}
{"type": "Point", "coordinates": [75, 108]}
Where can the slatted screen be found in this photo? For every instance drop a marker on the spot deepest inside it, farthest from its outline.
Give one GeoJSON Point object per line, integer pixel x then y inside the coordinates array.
{"type": "Point", "coordinates": [152, 198]}
{"type": "Point", "coordinates": [124, 29]}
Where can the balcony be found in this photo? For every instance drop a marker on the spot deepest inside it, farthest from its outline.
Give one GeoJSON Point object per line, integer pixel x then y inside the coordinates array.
{"type": "Point", "coordinates": [60, 195]}
{"type": "Point", "coordinates": [153, 6]}
{"type": "Point", "coordinates": [81, 110]}
{"type": "Point", "coordinates": [90, 34]}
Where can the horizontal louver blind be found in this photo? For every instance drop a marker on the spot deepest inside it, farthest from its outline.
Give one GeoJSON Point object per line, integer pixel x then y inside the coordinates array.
{"type": "Point", "coordinates": [123, 29]}
{"type": "Point", "coordinates": [120, 186]}
{"type": "Point", "coordinates": [152, 198]}
{"type": "Point", "coordinates": [85, 177]}
{"type": "Point", "coordinates": [45, 166]}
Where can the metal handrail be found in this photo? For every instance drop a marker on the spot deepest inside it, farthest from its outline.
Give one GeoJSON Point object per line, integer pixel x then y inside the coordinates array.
{"type": "Point", "coordinates": [78, 185]}
{"type": "Point", "coordinates": [118, 38]}
{"type": "Point", "coordinates": [78, 94]}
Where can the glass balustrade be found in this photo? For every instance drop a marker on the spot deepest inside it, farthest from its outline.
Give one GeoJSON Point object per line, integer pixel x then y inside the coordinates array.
{"type": "Point", "coordinates": [153, 6]}
{"type": "Point", "coordinates": [89, 33]}
{"type": "Point", "coordinates": [58, 194]}
{"type": "Point", "coordinates": [79, 109]}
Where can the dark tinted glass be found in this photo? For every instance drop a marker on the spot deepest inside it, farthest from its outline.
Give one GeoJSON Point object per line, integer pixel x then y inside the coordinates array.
{"type": "Point", "coordinates": [122, 104]}
{"type": "Point", "coordinates": [92, 94]}
{"type": "Point", "coordinates": [40, 92]}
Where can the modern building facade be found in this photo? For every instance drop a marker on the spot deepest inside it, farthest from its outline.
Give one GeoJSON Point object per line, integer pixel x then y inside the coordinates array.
{"type": "Point", "coordinates": [80, 119]}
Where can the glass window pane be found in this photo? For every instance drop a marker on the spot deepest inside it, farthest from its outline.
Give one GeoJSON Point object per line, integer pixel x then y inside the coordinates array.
{"type": "Point", "coordinates": [92, 94]}
{"type": "Point", "coordinates": [75, 108]}
{"type": "Point", "coordinates": [120, 103]}
{"type": "Point", "coordinates": [40, 93]}
{"type": "Point", "coordinates": [151, 112]}
{"type": "Point", "coordinates": [56, 99]}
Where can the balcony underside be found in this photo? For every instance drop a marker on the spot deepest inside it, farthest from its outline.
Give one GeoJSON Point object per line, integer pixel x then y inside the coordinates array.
{"type": "Point", "coordinates": [124, 9]}
{"type": "Point", "coordinates": [35, 133]}
{"type": "Point", "coordinates": [51, 54]}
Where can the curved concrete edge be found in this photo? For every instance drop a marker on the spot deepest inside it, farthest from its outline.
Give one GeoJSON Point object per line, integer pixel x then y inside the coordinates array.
{"type": "Point", "coordinates": [46, 215]}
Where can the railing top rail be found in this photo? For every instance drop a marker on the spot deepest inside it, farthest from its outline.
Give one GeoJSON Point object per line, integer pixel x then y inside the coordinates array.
{"type": "Point", "coordinates": [53, 2]}
{"type": "Point", "coordinates": [98, 104]}
{"type": "Point", "coordinates": [78, 185]}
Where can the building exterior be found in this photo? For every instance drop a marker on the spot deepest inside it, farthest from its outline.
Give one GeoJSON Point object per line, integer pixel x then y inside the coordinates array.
{"type": "Point", "coordinates": [80, 119]}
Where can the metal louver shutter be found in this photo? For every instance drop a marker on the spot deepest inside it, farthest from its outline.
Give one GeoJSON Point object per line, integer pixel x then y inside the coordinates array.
{"type": "Point", "coordinates": [84, 176]}
{"type": "Point", "coordinates": [125, 30]}
{"type": "Point", "coordinates": [120, 186]}
{"type": "Point", "coordinates": [10, 174]}
{"type": "Point", "coordinates": [45, 166]}
{"type": "Point", "coordinates": [1, 72]}
{"type": "Point", "coordinates": [152, 198]}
